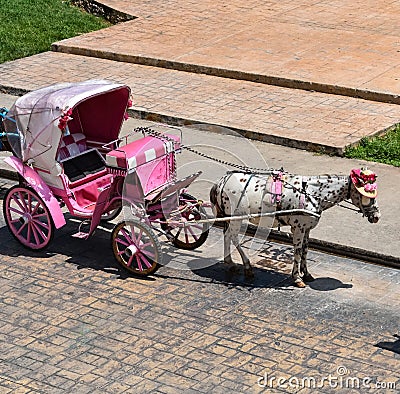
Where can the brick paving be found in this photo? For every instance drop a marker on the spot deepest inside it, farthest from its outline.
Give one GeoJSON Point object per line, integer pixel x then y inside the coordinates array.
{"type": "Point", "coordinates": [72, 321]}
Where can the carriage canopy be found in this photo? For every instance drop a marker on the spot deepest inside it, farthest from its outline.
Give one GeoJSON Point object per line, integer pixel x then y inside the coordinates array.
{"type": "Point", "coordinates": [39, 119]}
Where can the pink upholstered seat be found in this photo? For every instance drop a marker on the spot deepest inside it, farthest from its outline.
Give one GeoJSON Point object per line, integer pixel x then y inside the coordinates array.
{"type": "Point", "coordinates": [71, 145]}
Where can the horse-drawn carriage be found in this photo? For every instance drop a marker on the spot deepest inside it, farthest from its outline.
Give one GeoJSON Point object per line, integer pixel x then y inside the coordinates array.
{"type": "Point", "coordinates": [71, 158]}
{"type": "Point", "coordinates": [68, 152]}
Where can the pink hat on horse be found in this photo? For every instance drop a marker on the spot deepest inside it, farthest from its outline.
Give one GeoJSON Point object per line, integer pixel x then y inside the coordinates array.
{"type": "Point", "coordinates": [365, 182]}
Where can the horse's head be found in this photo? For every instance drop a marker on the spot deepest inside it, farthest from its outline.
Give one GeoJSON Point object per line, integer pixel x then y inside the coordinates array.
{"type": "Point", "coordinates": [363, 192]}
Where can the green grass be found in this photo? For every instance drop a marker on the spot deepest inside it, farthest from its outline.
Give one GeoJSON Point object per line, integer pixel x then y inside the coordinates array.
{"type": "Point", "coordinates": [383, 149]}
{"type": "Point", "coordinates": [29, 27]}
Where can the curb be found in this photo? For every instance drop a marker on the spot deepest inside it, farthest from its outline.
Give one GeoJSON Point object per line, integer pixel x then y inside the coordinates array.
{"type": "Point", "coordinates": [285, 238]}
{"type": "Point", "coordinates": [249, 134]}
{"type": "Point", "coordinates": [231, 74]}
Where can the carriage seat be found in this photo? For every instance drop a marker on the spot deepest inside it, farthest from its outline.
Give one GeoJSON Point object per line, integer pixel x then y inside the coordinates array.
{"type": "Point", "coordinates": [78, 160]}
{"type": "Point", "coordinates": [71, 145]}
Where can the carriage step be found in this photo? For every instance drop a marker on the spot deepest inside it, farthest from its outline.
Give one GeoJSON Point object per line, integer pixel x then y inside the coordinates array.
{"type": "Point", "coordinates": [81, 235]}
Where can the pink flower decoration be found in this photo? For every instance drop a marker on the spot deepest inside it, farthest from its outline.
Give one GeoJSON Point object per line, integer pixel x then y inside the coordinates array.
{"type": "Point", "coordinates": [64, 119]}
{"type": "Point", "coordinates": [370, 187]}
{"type": "Point", "coordinates": [126, 116]}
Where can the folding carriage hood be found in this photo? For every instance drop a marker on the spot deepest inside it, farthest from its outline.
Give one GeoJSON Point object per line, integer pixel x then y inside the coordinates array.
{"type": "Point", "coordinates": [35, 136]}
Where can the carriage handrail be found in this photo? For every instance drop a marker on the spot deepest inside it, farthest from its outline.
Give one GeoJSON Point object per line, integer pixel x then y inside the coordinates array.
{"type": "Point", "coordinates": [144, 131]}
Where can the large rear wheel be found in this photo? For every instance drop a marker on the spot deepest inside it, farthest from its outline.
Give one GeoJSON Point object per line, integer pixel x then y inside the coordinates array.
{"type": "Point", "coordinates": [136, 247]}
{"type": "Point", "coordinates": [28, 218]}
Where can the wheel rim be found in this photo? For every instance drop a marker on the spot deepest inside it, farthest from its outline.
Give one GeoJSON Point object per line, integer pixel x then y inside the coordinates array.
{"type": "Point", "coordinates": [28, 218]}
{"type": "Point", "coordinates": [193, 235]}
{"type": "Point", "coordinates": [136, 247]}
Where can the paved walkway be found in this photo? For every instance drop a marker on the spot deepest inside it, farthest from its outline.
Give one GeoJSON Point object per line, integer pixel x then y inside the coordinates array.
{"type": "Point", "coordinates": [72, 322]}
{"type": "Point", "coordinates": [321, 46]}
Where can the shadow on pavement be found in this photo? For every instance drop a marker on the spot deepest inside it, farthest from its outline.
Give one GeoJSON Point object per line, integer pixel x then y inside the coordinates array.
{"type": "Point", "coordinates": [391, 346]}
{"type": "Point", "coordinates": [328, 284]}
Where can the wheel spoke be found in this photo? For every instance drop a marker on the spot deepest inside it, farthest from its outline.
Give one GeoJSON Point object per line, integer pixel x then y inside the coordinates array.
{"type": "Point", "coordinates": [194, 235]}
{"type": "Point", "coordinates": [21, 228]}
{"type": "Point", "coordinates": [148, 253]}
{"type": "Point", "coordinates": [147, 263]}
{"type": "Point", "coordinates": [15, 210]}
{"type": "Point", "coordinates": [127, 236]}
{"type": "Point", "coordinates": [37, 229]}
{"type": "Point", "coordinates": [178, 232]}
{"type": "Point", "coordinates": [40, 223]}
{"type": "Point", "coordinates": [35, 233]}
{"type": "Point", "coordinates": [18, 202]}
{"type": "Point", "coordinates": [22, 199]}
{"type": "Point", "coordinates": [139, 263]}
{"type": "Point", "coordinates": [129, 263]}
{"type": "Point", "coordinates": [34, 210]}
{"type": "Point", "coordinates": [122, 242]}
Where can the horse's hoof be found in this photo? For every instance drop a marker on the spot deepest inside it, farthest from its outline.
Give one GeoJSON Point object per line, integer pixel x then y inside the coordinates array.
{"type": "Point", "coordinates": [234, 269]}
{"type": "Point", "coordinates": [308, 278]}
{"type": "Point", "coordinates": [299, 283]}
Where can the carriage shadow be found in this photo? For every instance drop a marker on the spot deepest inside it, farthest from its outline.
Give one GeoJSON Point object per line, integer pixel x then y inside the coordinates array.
{"type": "Point", "coordinates": [94, 253]}
{"type": "Point", "coordinates": [391, 346]}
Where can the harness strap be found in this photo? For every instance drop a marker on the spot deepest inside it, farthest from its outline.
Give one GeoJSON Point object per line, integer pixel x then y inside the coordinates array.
{"type": "Point", "coordinates": [303, 193]}
{"type": "Point", "coordinates": [276, 188]}
{"type": "Point", "coordinates": [349, 188]}
{"type": "Point", "coordinates": [244, 191]}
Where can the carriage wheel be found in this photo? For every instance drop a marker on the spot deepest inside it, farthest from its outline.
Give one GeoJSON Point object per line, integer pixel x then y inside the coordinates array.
{"type": "Point", "coordinates": [28, 218]}
{"type": "Point", "coordinates": [108, 216]}
{"type": "Point", "coordinates": [193, 236]}
{"type": "Point", "coordinates": [136, 247]}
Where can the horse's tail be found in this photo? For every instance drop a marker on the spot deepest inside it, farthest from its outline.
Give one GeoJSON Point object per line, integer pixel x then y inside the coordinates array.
{"type": "Point", "coordinates": [214, 201]}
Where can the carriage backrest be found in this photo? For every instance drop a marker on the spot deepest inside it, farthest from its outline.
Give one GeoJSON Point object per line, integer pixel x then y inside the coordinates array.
{"type": "Point", "coordinates": [71, 145]}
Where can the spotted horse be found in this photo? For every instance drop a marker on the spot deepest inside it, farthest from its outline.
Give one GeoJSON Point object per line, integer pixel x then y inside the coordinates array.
{"type": "Point", "coordinates": [245, 193]}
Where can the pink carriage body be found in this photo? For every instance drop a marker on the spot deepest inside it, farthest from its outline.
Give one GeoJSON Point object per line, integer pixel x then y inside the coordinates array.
{"type": "Point", "coordinates": [64, 150]}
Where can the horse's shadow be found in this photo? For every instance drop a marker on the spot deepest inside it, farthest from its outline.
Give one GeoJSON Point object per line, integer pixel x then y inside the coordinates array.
{"type": "Point", "coordinates": [391, 346]}
{"type": "Point", "coordinates": [210, 270]}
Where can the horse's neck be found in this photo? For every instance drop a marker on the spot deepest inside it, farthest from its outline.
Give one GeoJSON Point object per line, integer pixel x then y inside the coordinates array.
{"type": "Point", "coordinates": [328, 190]}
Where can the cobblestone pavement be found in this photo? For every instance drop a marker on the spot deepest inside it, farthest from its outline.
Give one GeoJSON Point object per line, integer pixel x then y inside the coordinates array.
{"type": "Point", "coordinates": [72, 322]}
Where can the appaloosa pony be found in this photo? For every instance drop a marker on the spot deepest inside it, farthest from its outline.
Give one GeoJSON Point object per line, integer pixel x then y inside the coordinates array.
{"type": "Point", "coordinates": [242, 193]}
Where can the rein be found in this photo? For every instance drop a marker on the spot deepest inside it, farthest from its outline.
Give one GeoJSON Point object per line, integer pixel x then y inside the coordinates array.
{"type": "Point", "coordinates": [253, 170]}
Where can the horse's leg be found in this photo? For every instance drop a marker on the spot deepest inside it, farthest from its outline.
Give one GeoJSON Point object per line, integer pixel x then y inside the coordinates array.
{"type": "Point", "coordinates": [227, 248]}
{"type": "Point", "coordinates": [235, 229]}
{"type": "Point", "coordinates": [307, 277]}
{"type": "Point", "coordinates": [298, 237]}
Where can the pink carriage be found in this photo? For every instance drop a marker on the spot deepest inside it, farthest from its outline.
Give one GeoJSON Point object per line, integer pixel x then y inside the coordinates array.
{"type": "Point", "coordinates": [70, 158]}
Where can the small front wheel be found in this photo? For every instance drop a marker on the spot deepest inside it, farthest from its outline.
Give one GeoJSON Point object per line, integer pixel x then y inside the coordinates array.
{"type": "Point", "coordinates": [28, 218]}
{"type": "Point", "coordinates": [136, 247]}
{"type": "Point", "coordinates": [194, 235]}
